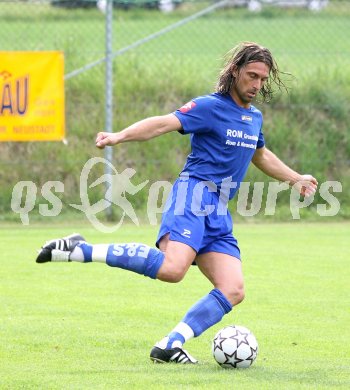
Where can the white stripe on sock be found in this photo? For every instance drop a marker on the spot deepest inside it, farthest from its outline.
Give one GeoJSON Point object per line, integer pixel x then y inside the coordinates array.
{"type": "Point", "coordinates": [99, 252]}
{"type": "Point", "coordinates": [77, 255]}
{"type": "Point", "coordinates": [58, 255]}
{"type": "Point", "coordinates": [184, 330]}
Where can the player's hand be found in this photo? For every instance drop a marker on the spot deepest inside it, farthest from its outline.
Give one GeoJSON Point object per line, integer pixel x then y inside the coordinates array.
{"type": "Point", "coordinates": [106, 139]}
{"type": "Point", "coordinates": [307, 185]}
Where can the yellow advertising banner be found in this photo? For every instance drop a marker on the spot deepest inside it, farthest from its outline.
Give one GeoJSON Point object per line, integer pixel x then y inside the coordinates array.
{"type": "Point", "coordinates": [32, 96]}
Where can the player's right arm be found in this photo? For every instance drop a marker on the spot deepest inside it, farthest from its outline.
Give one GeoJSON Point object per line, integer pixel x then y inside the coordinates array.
{"type": "Point", "coordinates": [140, 131]}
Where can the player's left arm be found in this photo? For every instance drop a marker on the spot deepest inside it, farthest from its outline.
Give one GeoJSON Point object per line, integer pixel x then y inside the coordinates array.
{"type": "Point", "coordinates": [272, 166]}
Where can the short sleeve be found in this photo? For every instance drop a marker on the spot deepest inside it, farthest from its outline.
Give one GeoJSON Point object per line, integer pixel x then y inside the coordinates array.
{"type": "Point", "coordinates": [195, 116]}
{"type": "Point", "coordinates": [261, 140]}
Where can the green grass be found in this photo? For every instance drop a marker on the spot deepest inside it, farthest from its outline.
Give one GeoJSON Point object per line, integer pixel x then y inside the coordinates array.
{"type": "Point", "coordinates": [77, 326]}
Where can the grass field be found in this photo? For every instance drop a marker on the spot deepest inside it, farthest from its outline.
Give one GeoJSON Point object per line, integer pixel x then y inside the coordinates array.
{"type": "Point", "coordinates": [74, 326]}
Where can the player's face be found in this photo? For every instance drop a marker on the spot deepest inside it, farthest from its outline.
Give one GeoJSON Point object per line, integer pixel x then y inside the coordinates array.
{"type": "Point", "coordinates": [249, 80]}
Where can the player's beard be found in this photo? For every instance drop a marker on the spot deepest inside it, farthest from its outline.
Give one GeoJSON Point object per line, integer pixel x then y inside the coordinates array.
{"type": "Point", "coordinates": [244, 97]}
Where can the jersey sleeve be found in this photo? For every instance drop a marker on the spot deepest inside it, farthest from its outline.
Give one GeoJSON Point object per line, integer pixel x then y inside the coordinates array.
{"type": "Point", "coordinates": [261, 140]}
{"type": "Point", "coordinates": [195, 116]}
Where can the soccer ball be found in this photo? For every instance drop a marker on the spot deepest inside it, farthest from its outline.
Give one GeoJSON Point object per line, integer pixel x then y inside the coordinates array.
{"type": "Point", "coordinates": [235, 347]}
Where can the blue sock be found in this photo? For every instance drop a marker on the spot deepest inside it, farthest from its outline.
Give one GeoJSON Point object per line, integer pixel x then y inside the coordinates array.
{"type": "Point", "coordinates": [138, 258]}
{"type": "Point", "coordinates": [205, 313]}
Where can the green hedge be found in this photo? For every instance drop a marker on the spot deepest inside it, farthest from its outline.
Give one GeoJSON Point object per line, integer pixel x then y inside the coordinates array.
{"type": "Point", "coordinates": [308, 129]}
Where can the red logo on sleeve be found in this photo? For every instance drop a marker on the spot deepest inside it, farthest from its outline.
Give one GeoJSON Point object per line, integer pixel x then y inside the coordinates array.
{"type": "Point", "coordinates": [187, 107]}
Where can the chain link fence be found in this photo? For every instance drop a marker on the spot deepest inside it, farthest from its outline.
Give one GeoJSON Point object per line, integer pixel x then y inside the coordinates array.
{"type": "Point", "coordinates": [164, 53]}
{"type": "Point", "coordinates": [305, 36]}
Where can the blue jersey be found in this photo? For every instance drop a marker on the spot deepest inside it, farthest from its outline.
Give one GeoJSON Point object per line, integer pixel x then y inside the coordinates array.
{"type": "Point", "coordinates": [224, 137]}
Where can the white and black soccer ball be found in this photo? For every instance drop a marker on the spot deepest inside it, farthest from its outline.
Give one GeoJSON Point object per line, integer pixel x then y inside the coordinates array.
{"type": "Point", "coordinates": [235, 347]}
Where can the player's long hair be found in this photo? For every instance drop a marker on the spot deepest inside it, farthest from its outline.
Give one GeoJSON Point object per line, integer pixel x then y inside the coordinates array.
{"type": "Point", "coordinates": [246, 53]}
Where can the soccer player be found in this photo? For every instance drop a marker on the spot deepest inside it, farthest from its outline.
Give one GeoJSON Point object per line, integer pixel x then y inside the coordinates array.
{"type": "Point", "coordinates": [226, 135]}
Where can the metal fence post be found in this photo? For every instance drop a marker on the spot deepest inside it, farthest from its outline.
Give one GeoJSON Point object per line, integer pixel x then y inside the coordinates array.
{"type": "Point", "coordinates": [109, 94]}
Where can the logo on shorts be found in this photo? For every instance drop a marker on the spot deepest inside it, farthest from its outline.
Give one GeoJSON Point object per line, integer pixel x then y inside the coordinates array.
{"type": "Point", "coordinates": [186, 233]}
{"type": "Point", "coordinates": [187, 107]}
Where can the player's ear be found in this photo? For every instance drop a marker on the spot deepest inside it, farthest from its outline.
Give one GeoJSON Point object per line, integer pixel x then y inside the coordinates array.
{"type": "Point", "coordinates": [234, 71]}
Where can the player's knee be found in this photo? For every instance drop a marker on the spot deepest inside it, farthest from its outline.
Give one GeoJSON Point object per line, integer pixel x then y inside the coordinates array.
{"type": "Point", "coordinates": [171, 272]}
{"type": "Point", "coordinates": [235, 294]}
{"type": "Point", "coordinates": [175, 275]}
{"type": "Point", "coordinates": [238, 296]}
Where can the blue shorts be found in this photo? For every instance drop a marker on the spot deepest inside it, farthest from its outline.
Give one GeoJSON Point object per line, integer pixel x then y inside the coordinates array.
{"type": "Point", "coordinates": [191, 216]}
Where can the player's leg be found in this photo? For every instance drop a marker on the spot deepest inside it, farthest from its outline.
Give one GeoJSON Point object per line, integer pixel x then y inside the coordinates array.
{"type": "Point", "coordinates": [170, 265]}
{"type": "Point", "coordinates": [177, 261]}
{"type": "Point", "coordinates": [164, 352]}
{"type": "Point", "coordinates": [225, 273]}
